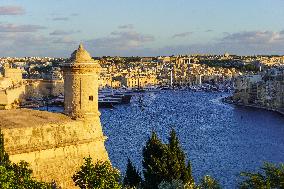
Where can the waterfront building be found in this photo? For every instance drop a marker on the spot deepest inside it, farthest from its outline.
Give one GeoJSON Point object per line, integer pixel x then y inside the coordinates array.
{"type": "Point", "coordinates": [139, 81]}
{"type": "Point", "coordinates": [106, 79]}
{"type": "Point", "coordinates": [108, 82]}
{"type": "Point", "coordinates": [264, 90]}
{"type": "Point", "coordinates": [181, 68]}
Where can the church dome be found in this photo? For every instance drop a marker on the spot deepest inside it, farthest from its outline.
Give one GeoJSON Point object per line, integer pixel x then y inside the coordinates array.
{"type": "Point", "coordinates": [81, 55]}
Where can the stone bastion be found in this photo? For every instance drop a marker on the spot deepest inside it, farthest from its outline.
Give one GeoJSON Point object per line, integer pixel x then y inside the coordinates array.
{"type": "Point", "coordinates": [53, 144]}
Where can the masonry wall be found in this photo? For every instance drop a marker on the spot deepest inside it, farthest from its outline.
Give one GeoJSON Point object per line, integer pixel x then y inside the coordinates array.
{"type": "Point", "coordinates": [42, 88]}
{"type": "Point", "coordinates": [81, 93]}
{"type": "Point", "coordinates": [56, 151]}
{"type": "Point", "coordinates": [9, 96]}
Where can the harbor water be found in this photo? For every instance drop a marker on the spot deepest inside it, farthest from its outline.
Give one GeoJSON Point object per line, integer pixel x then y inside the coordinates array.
{"type": "Point", "coordinates": [220, 140]}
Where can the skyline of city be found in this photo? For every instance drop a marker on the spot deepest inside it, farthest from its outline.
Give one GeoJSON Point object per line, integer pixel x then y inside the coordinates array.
{"type": "Point", "coordinates": [101, 86]}
{"type": "Point", "coordinates": [148, 28]}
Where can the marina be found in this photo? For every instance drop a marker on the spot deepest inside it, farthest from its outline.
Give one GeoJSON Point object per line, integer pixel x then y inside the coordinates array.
{"type": "Point", "coordinates": [219, 139]}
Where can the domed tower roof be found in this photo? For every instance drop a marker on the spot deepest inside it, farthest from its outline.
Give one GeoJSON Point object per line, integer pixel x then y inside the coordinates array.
{"type": "Point", "coordinates": [81, 59]}
{"type": "Point", "coordinates": [81, 55]}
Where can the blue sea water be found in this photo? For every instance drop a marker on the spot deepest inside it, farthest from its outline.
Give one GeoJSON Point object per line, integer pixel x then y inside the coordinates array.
{"type": "Point", "coordinates": [220, 140]}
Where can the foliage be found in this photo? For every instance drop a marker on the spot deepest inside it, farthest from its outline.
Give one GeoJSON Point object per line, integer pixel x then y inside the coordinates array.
{"type": "Point", "coordinates": [17, 176]}
{"type": "Point", "coordinates": [132, 177]}
{"type": "Point", "coordinates": [164, 162]}
{"type": "Point", "coordinates": [99, 176]}
{"type": "Point", "coordinates": [229, 64]}
{"type": "Point", "coordinates": [132, 59]}
{"type": "Point", "coordinates": [4, 157]}
{"type": "Point", "coordinates": [177, 161]}
{"type": "Point", "coordinates": [208, 182]}
{"type": "Point", "coordinates": [250, 67]}
{"type": "Point", "coordinates": [271, 176]}
{"type": "Point", "coordinates": [174, 184]}
{"type": "Point", "coordinates": [151, 161]}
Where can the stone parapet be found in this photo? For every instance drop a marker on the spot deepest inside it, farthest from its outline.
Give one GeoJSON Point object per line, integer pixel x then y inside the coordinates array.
{"type": "Point", "coordinates": [53, 144]}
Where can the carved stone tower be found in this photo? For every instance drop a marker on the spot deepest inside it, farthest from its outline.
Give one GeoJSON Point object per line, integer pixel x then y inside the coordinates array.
{"type": "Point", "coordinates": [81, 85]}
{"type": "Point", "coordinates": [54, 144]}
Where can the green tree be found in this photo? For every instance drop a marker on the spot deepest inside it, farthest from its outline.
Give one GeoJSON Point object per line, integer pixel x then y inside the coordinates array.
{"type": "Point", "coordinates": [4, 157]}
{"type": "Point", "coordinates": [99, 176]}
{"type": "Point", "coordinates": [208, 182]}
{"type": "Point", "coordinates": [174, 184]}
{"type": "Point", "coordinates": [132, 177]}
{"type": "Point", "coordinates": [152, 154]}
{"type": "Point", "coordinates": [165, 162]}
{"type": "Point", "coordinates": [270, 176]}
{"type": "Point", "coordinates": [17, 176]}
{"type": "Point", "coordinates": [177, 161]}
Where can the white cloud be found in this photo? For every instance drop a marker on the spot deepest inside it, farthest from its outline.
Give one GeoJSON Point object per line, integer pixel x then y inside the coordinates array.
{"type": "Point", "coordinates": [209, 30]}
{"type": "Point", "coordinates": [20, 28]}
{"type": "Point", "coordinates": [34, 44]}
{"type": "Point", "coordinates": [65, 41]}
{"type": "Point", "coordinates": [64, 32]}
{"type": "Point", "coordinates": [122, 40]}
{"type": "Point", "coordinates": [60, 19]}
{"type": "Point", "coordinates": [182, 35]}
{"type": "Point", "coordinates": [253, 37]}
{"type": "Point", "coordinates": [127, 26]}
{"type": "Point", "coordinates": [11, 10]}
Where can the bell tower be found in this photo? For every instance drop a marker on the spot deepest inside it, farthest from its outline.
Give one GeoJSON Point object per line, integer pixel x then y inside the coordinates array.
{"type": "Point", "coordinates": [81, 74]}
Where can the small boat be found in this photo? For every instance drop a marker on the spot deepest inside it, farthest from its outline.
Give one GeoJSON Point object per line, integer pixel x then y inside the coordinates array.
{"type": "Point", "coordinates": [165, 88]}
{"type": "Point", "coordinates": [114, 100]}
{"type": "Point", "coordinates": [152, 89]}
{"type": "Point", "coordinates": [56, 102]}
{"type": "Point", "coordinates": [138, 90]}
{"type": "Point", "coordinates": [116, 97]}
{"type": "Point", "coordinates": [106, 103]}
{"type": "Point", "coordinates": [31, 106]}
{"type": "Point", "coordinates": [123, 98]}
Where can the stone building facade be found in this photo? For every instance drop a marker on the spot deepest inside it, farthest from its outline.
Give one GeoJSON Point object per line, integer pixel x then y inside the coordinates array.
{"type": "Point", "coordinates": [139, 81]}
{"type": "Point", "coordinates": [264, 90]}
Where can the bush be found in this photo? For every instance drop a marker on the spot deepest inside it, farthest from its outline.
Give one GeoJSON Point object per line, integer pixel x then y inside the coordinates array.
{"type": "Point", "coordinates": [208, 182]}
{"type": "Point", "coordinates": [271, 176]}
{"type": "Point", "coordinates": [164, 162]}
{"type": "Point", "coordinates": [99, 176]}
{"type": "Point", "coordinates": [17, 176]}
{"type": "Point", "coordinates": [132, 177]}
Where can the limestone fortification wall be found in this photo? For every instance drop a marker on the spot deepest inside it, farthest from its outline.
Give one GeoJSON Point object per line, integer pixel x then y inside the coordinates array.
{"type": "Point", "coordinates": [42, 88]}
{"type": "Point", "coordinates": [9, 96]}
{"type": "Point", "coordinates": [14, 74]}
{"type": "Point", "coordinates": [53, 144]}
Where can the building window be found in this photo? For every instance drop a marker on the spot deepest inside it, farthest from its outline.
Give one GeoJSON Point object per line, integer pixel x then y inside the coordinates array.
{"type": "Point", "coordinates": [91, 98]}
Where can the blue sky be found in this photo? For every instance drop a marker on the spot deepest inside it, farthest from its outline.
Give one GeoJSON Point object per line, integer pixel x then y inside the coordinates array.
{"type": "Point", "coordinates": [141, 28]}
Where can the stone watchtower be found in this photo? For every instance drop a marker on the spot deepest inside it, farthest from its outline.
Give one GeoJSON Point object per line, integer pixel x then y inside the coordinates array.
{"type": "Point", "coordinates": [55, 144]}
{"type": "Point", "coordinates": [81, 85]}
